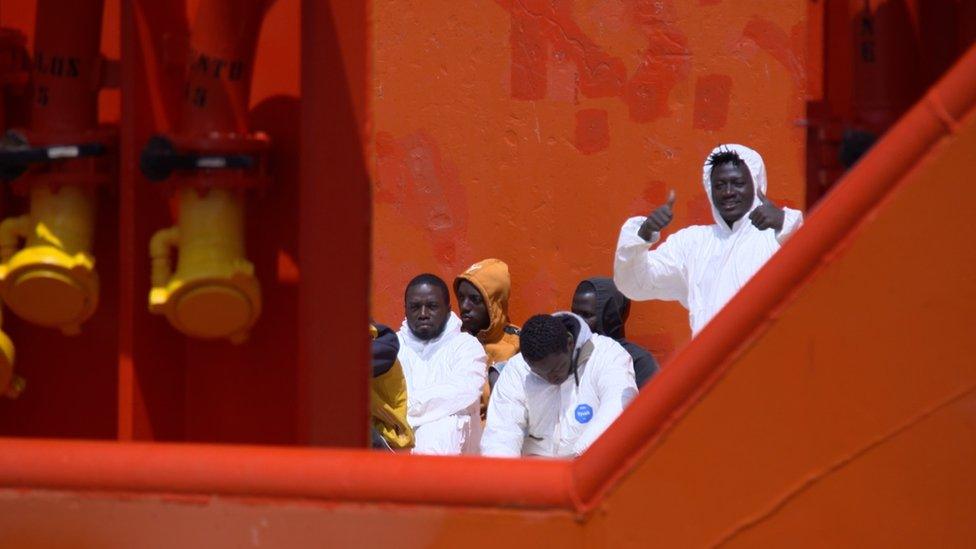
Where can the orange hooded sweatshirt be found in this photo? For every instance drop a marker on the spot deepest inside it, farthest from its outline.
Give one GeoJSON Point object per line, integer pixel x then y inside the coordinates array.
{"type": "Point", "coordinates": [500, 339]}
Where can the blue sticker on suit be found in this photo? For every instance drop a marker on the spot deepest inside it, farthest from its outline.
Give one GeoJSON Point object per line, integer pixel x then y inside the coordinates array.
{"type": "Point", "coordinates": [584, 413]}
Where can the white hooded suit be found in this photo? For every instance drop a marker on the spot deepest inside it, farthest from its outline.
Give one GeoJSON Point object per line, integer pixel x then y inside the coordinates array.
{"type": "Point", "coordinates": [701, 266]}
{"type": "Point", "coordinates": [529, 416]}
{"type": "Point", "coordinates": [444, 380]}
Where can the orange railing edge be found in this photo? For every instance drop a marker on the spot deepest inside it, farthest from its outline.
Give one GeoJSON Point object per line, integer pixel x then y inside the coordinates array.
{"type": "Point", "coordinates": [694, 368]}
{"type": "Point", "coordinates": [279, 472]}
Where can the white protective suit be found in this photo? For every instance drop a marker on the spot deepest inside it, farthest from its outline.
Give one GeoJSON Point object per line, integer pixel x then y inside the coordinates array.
{"type": "Point", "coordinates": [444, 380]}
{"type": "Point", "coordinates": [528, 416]}
{"type": "Point", "coordinates": [701, 266]}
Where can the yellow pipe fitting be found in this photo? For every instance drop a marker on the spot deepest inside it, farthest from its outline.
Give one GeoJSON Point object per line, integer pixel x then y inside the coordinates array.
{"type": "Point", "coordinates": [213, 293]}
{"type": "Point", "coordinates": [12, 231]}
{"type": "Point", "coordinates": [51, 281]}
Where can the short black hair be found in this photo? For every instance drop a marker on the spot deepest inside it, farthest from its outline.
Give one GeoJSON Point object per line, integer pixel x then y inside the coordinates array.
{"type": "Point", "coordinates": [724, 156]}
{"type": "Point", "coordinates": [432, 280]}
{"type": "Point", "coordinates": [585, 287]}
{"type": "Point", "coordinates": [542, 336]}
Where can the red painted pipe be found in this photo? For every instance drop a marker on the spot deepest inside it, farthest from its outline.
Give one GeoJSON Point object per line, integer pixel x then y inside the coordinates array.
{"type": "Point", "coordinates": [66, 64]}
{"type": "Point", "coordinates": [222, 47]}
{"type": "Point", "coordinates": [12, 68]}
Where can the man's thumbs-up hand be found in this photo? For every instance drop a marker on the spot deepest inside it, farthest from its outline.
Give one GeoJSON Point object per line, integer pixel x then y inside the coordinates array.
{"type": "Point", "coordinates": [767, 215]}
{"type": "Point", "coordinates": [658, 219]}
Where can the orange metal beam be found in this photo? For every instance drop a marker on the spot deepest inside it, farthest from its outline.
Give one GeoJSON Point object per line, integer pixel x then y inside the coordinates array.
{"type": "Point", "coordinates": [283, 472]}
{"type": "Point", "coordinates": [334, 214]}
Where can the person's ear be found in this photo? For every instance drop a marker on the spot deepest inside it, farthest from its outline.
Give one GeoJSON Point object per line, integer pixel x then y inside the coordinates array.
{"type": "Point", "coordinates": [569, 343]}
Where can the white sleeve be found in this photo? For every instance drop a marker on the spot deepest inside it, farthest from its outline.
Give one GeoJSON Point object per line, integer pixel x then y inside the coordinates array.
{"type": "Point", "coordinates": [507, 416]}
{"type": "Point", "coordinates": [468, 373]}
{"type": "Point", "coordinates": [656, 274]}
{"type": "Point", "coordinates": [616, 388]}
{"type": "Point", "coordinates": [792, 220]}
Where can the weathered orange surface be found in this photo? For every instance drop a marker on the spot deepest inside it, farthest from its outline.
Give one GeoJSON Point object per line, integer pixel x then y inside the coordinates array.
{"type": "Point", "coordinates": [530, 130]}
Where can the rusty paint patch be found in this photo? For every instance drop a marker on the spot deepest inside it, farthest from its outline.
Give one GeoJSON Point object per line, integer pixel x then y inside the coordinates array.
{"type": "Point", "coordinates": [530, 48]}
{"type": "Point", "coordinates": [539, 27]}
{"type": "Point", "coordinates": [592, 131]}
{"type": "Point", "coordinates": [784, 48]}
{"type": "Point", "coordinates": [424, 190]}
{"type": "Point", "coordinates": [712, 93]}
{"type": "Point", "coordinates": [653, 195]}
{"type": "Point", "coordinates": [666, 61]}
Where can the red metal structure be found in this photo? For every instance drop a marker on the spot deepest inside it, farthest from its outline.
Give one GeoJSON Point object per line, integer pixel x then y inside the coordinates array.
{"type": "Point", "coordinates": [878, 58]}
{"type": "Point", "coordinates": [212, 292]}
{"type": "Point", "coordinates": [65, 157]}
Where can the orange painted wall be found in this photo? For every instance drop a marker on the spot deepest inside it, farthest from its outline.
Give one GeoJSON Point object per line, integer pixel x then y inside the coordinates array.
{"type": "Point", "coordinates": [529, 130]}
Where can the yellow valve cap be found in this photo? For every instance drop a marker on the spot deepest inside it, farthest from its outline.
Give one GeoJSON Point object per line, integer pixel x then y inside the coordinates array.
{"type": "Point", "coordinates": [213, 311]}
{"type": "Point", "coordinates": [9, 383]}
{"type": "Point", "coordinates": [48, 298]}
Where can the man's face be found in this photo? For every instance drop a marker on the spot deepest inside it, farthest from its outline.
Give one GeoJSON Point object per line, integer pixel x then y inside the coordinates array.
{"type": "Point", "coordinates": [584, 305]}
{"type": "Point", "coordinates": [474, 311]}
{"type": "Point", "coordinates": [427, 310]}
{"type": "Point", "coordinates": [732, 191]}
{"type": "Point", "coordinates": [557, 367]}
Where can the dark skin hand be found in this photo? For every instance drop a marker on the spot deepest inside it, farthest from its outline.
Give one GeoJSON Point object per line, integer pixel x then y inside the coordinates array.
{"type": "Point", "coordinates": [427, 309]}
{"type": "Point", "coordinates": [557, 367]}
{"type": "Point", "coordinates": [658, 219]}
{"type": "Point", "coordinates": [584, 305]}
{"type": "Point", "coordinates": [767, 215]}
{"type": "Point", "coordinates": [732, 196]}
{"type": "Point", "coordinates": [474, 311]}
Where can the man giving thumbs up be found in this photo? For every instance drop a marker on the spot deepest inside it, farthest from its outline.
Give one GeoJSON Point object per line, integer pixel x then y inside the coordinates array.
{"type": "Point", "coordinates": [703, 266]}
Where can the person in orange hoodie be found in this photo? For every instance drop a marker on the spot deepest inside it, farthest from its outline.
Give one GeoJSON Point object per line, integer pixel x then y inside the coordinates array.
{"type": "Point", "coordinates": [482, 294]}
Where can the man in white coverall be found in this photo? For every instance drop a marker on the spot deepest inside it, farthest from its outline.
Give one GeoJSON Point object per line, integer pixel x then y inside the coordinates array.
{"type": "Point", "coordinates": [560, 393]}
{"type": "Point", "coordinates": [703, 266]}
{"type": "Point", "coordinates": [445, 370]}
